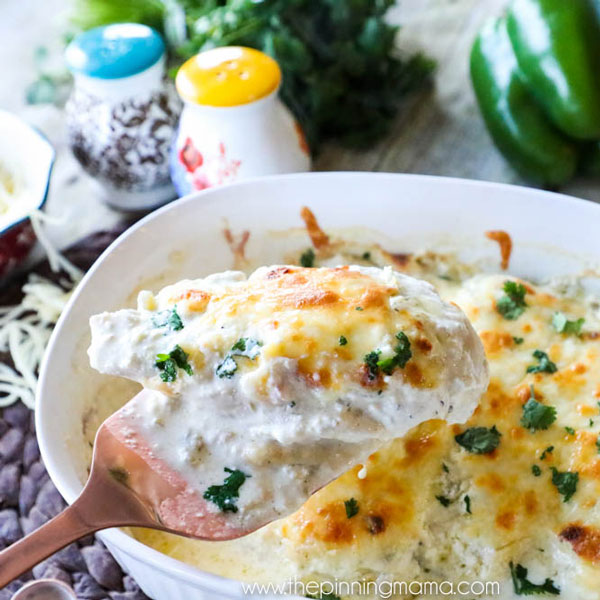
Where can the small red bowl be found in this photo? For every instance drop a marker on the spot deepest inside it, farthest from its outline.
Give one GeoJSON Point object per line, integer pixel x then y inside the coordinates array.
{"type": "Point", "coordinates": [29, 157]}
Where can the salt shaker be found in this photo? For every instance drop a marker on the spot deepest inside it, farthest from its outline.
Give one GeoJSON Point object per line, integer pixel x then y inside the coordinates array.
{"type": "Point", "coordinates": [233, 124]}
{"type": "Point", "coordinates": [121, 116]}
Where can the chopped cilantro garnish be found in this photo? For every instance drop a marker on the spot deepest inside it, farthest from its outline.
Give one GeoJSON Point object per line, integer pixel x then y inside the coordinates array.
{"type": "Point", "coordinates": [518, 340]}
{"type": "Point", "coordinates": [366, 256]}
{"type": "Point", "coordinates": [598, 444]}
{"type": "Point", "coordinates": [547, 451]}
{"type": "Point", "coordinates": [563, 325]}
{"type": "Point", "coordinates": [443, 501]}
{"type": "Point", "coordinates": [467, 500]}
{"type": "Point", "coordinates": [359, 308]}
{"type": "Point", "coordinates": [307, 258]}
{"type": "Point", "coordinates": [247, 347]}
{"type": "Point", "coordinates": [226, 368]}
{"type": "Point", "coordinates": [445, 468]}
{"type": "Point", "coordinates": [512, 305]}
{"type": "Point", "coordinates": [351, 508]}
{"type": "Point", "coordinates": [224, 496]}
{"type": "Point", "coordinates": [565, 482]}
{"type": "Point", "coordinates": [371, 361]}
{"type": "Point", "coordinates": [168, 318]}
{"type": "Point", "coordinates": [524, 587]}
{"type": "Point", "coordinates": [536, 470]}
{"type": "Point", "coordinates": [402, 354]}
{"type": "Point", "coordinates": [537, 415]}
{"type": "Point", "coordinates": [324, 596]}
{"type": "Point", "coordinates": [167, 364]}
{"type": "Point", "coordinates": [570, 430]}
{"type": "Point", "coordinates": [545, 365]}
{"type": "Point", "coordinates": [479, 440]}
{"type": "Point", "coordinates": [343, 341]}
{"type": "Point", "coordinates": [591, 422]}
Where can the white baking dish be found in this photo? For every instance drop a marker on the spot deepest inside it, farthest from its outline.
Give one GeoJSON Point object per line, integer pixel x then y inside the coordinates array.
{"type": "Point", "coordinates": [552, 234]}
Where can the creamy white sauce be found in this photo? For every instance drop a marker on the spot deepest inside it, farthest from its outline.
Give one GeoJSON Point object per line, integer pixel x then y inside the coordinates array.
{"type": "Point", "coordinates": [289, 437]}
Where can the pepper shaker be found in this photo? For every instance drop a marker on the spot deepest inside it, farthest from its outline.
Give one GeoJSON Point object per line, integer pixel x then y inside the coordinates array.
{"type": "Point", "coordinates": [121, 116]}
{"type": "Point", "coordinates": [233, 124]}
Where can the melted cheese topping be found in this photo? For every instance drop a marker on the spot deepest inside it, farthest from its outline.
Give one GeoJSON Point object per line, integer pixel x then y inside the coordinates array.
{"type": "Point", "coordinates": [276, 383]}
{"type": "Point", "coordinates": [402, 530]}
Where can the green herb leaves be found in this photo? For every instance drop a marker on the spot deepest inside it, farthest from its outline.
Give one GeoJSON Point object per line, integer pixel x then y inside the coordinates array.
{"type": "Point", "coordinates": [545, 365]}
{"type": "Point", "coordinates": [225, 496]}
{"type": "Point", "coordinates": [523, 587]}
{"type": "Point", "coordinates": [563, 325]}
{"type": "Point", "coordinates": [536, 415]}
{"type": "Point", "coordinates": [343, 341]}
{"type": "Point", "coordinates": [168, 364]}
{"type": "Point", "coordinates": [248, 347]}
{"type": "Point", "coordinates": [512, 305]}
{"type": "Point", "coordinates": [402, 354]}
{"type": "Point", "coordinates": [351, 507]}
{"type": "Point", "coordinates": [565, 482]}
{"type": "Point", "coordinates": [536, 471]}
{"type": "Point", "coordinates": [445, 502]}
{"type": "Point", "coordinates": [467, 500]}
{"type": "Point", "coordinates": [307, 258]}
{"type": "Point", "coordinates": [371, 359]}
{"type": "Point", "coordinates": [168, 318]}
{"type": "Point", "coordinates": [226, 368]}
{"type": "Point", "coordinates": [479, 440]}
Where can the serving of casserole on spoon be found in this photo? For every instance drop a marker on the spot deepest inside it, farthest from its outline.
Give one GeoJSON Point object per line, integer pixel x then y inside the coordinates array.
{"type": "Point", "coordinates": [259, 391]}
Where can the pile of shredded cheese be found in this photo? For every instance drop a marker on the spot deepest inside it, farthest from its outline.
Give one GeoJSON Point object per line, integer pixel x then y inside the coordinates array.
{"type": "Point", "coordinates": [25, 328]}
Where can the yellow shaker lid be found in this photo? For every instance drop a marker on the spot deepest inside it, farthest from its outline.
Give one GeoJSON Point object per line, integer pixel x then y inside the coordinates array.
{"type": "Point", "coordinates": [228, 76]}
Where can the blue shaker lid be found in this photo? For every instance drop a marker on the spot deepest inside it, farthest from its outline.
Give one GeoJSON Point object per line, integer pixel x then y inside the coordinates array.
{"type": "Point", "coordinates": [114, 51]}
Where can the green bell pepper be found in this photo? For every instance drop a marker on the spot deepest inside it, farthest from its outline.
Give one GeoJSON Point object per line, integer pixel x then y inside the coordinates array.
{"type": "Point", "coordinates": [590, 163]}
{"type": "Point", "coordinates": [557, 44]}
{"type": "Point", "coordinates": [516, 122]}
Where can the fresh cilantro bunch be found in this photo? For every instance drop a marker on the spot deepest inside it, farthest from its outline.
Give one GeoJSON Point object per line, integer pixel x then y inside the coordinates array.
{"type": "Point", "coordinates": [342, 77]}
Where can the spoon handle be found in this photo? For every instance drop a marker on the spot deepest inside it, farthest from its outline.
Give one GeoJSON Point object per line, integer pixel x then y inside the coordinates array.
{"type": "Point", "coordinates": [57, 533]}
{"type": "Point", "coordinates": [103, 503]}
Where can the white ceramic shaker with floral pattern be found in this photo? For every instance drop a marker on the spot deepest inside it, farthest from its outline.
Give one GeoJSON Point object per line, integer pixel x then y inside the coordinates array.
{"type": "Point", "coordinates": [121, 116]}
{"type": "Point", "coordinates": [233, 124]}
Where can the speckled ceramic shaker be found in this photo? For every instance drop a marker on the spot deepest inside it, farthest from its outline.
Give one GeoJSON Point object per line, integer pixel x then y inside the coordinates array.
{"type": "Point", "coordinates": [121, 115]}
{"type": "Point", "coordinates": [233, 123]}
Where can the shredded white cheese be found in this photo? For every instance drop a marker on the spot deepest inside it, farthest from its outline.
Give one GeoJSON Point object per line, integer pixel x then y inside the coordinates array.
{"type": "Point", "coordinates": [25, 328]}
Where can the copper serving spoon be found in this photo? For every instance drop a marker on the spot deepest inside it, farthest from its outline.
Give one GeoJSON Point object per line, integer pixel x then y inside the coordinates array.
{"type": "Point", "coordinates": [128, 486]}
